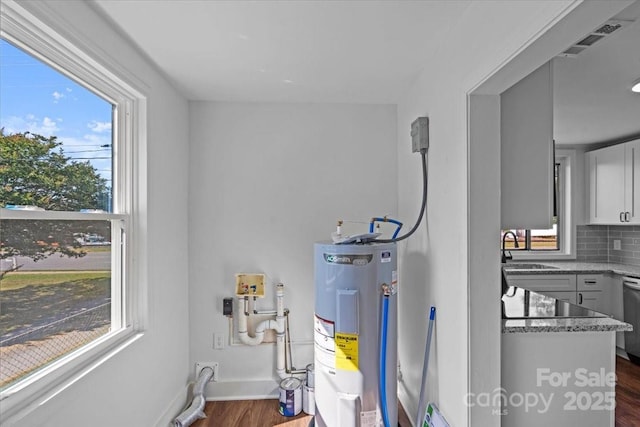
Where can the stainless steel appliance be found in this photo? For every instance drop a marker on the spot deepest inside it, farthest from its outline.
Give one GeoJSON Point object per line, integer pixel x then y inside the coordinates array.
{"type": "Point", "coordinates": [631, 295]}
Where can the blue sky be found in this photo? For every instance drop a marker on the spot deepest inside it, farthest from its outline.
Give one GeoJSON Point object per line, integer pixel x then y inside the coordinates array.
{"type": "Point", "coordinates": [36, 98]}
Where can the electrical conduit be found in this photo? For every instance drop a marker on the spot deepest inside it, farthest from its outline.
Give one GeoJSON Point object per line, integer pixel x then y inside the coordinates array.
{"type": "Point", "coordinates": [195, 410]}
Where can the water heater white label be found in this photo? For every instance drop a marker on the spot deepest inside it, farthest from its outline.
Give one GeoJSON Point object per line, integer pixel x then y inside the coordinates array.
{"type": "Point", "coordinates": [324, 327]}
{"type": "Point", "coordinates": [370, 419]}
{"type": "Point", "coordinates": [324, 343]}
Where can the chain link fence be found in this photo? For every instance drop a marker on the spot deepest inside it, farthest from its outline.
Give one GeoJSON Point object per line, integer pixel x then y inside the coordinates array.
{"type": "Point", "coordinates": [31, 350]}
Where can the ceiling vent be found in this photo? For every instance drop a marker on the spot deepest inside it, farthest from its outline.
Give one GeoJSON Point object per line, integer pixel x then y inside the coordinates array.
{"type": "Point", "coordinates": [596, 35]}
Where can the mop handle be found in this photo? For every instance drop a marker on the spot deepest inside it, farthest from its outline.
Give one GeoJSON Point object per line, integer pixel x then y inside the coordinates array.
{"type": "Point", "coordinates": [432, 316]}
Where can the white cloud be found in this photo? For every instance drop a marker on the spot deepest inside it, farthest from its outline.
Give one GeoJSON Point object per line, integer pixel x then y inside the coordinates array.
{"type": "Point", "coordinates": [45, 127]}
{"type": "Point", "coordinates": [99, 127]}
{"type": "Point", "coordinates": [57, 96]}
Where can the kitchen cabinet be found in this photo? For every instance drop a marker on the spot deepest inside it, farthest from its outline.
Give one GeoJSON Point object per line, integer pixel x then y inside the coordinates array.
{"type": "Point", "coordinates": [560, 286]}
{"type": "Point", "coordinates": [614, 184]}
{"type": "Point", "coordinates": [526, 150]}
{"type": "Point", "coordinates": [592, 291]}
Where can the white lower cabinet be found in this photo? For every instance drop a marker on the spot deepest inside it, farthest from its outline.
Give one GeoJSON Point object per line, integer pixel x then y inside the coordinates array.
{"type": "Point", "coordinates": [568, 296]}
{"type": "Point", "coordinates": [592, 291]}
{"type": "Point", "coordinates": [599, 292]}
{"type": "Point", "coordinates": [544, 283]}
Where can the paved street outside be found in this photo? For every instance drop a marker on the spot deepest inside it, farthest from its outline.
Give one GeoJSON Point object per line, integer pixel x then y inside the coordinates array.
{"type": "Point", "coordinates": [92, 261]}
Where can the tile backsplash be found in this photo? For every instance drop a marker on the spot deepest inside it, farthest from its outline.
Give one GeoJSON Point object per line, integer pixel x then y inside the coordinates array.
{"type": "Point", "coordinates": [595, 243]}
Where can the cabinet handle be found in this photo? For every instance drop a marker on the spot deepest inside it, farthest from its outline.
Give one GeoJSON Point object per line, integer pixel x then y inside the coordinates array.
{"type": "Point", "coordinates": [621, 216]}
{"type": "Point", "coordinates": [580, 298]}
{"type": "Point", "coordinates": [590, 282]}
{"type": "Point", "coordinates": [627, 216]}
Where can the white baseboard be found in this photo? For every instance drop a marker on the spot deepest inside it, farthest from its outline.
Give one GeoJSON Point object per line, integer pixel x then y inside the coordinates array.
{"type": "Point", "coordinates": [620, 352]}
{"type": "Point", "coordinates": [175, 407]}
{"type": "Point", "coordinates": [242, 390]}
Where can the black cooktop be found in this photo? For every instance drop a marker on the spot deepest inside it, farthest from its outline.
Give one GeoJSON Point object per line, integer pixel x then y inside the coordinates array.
{"type": "Point", "coordinates": [519, 303]}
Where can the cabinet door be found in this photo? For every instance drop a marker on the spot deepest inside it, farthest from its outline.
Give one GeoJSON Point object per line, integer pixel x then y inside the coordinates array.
{"type": "Point", "coordinates": [593, 300]}
{"type": "Point", "coordinates": [607, 185]}
{"type": "Point", "coordinates": [526, 150]}
{"type": "Point", "coordinates": [592, 282]}
{"type": "Point", "coordinates": [543, 283]}
{"type": "Point", "coordinates": [632, 181]}
{"type": "Point", "coordinates": [567, 296]}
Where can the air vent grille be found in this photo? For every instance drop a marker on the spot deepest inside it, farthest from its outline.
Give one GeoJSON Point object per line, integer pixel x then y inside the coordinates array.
{"type": "Point", "coordinates": [608, 28]}
{"type": "Point", "coordinates": [573, 51]}
{"type": "Point", "coordinates": [589, 40]}
{"type": "Point", "coordinates": [596, 35]}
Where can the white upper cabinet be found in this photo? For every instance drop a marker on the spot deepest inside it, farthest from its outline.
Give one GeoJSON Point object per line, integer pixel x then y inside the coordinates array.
{"type": "Point", "coordinates": [527, 169]}
{"type": "Point", "coordinates": [614, 184]}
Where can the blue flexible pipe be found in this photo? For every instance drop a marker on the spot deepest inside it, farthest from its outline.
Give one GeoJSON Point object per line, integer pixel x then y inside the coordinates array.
{"type": "Point", "coordinates": [382, 383]}
{"type": "Point", "coordinates": [385, 219]}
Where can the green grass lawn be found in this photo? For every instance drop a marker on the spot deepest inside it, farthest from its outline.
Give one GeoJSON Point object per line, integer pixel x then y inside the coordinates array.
{"type": "Point", "coordinates": [30, 298]}
{"type": "Point", "coordinates": [18, 280]}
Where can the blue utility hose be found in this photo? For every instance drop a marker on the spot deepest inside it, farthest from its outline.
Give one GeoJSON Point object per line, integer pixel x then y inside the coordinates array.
{"type": "Point", "coordinates": [382, 383]}
{"type": "Point", "coordinates": [385, 219]}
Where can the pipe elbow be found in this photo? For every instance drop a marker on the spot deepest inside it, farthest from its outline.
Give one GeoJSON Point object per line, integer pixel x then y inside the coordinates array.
{"type": "Point", "coordinates": [255, 340]}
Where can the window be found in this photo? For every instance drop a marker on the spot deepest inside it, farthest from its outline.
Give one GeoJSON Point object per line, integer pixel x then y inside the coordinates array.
{"type": "Point", "coordinates": [555, 240]}
{"type": "Point", "coordinates": [69, 129]}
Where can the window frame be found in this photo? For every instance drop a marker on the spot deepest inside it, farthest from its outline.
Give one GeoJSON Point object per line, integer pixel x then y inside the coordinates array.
{"type": "Point", "coordinates": [30, 34]}
{"type": "Point", "coordinates": [566, 193]}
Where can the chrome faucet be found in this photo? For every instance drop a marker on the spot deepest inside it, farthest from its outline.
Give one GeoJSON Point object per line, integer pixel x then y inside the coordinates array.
{"type": "Point", "coordinates": [506, 257]}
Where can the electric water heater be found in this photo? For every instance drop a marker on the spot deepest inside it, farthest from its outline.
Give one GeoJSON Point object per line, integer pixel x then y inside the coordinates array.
{"type": "Point", "coordinates": [355, 334]}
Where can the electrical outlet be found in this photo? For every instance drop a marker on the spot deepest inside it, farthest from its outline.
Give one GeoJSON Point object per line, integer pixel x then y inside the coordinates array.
{"type": "Point", "coordinates": [218, 341]}
{"type": "Point", "coordinates": [213, 365]}
{"type": "Point", "coordinates": [617, 245]}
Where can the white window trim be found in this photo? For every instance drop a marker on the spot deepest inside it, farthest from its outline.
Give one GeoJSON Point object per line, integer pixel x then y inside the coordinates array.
{"type": "Point", "coordinates": [25, 30]}
{"type": "Point", "coordinates": [567, 159]}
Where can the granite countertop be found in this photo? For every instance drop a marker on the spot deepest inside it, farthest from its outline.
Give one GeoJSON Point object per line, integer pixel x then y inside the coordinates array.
{"type": "Point", "coordinates": [581, 324]}
{"type": "Point", "coordinates": [564, 267]}
{"type": "Point", "coordinates": [603, 323]}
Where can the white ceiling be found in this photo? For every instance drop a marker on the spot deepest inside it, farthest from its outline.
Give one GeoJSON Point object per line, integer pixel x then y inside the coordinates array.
{"type": "Point", "coordinates": [593, 101]}
{"type": "Point", "coordinates": [357, 52]}
{"type": "Point", "coordinates": [287, 51]}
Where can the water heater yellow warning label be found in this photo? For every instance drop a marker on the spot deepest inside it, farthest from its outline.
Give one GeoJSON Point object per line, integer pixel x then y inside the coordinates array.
{"type": "Point", "coordinates": [347, 352]}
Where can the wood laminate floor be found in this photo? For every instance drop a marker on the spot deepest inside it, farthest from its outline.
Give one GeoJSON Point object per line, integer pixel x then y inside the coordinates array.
{"type": "Point", "coordinates": [264, 413]}
{"type": "Point", "coordinates": [261, 413]}
{"type": "Point", "coordinates": [627, 393]}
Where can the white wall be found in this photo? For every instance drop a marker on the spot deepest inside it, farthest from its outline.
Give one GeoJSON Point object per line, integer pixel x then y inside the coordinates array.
{"type": "Point", "coordinates": [267, 181]}
{"type": "Point", "coordinates": [144, 384]}
{"type": "Point", "coordinates": [436, 266]}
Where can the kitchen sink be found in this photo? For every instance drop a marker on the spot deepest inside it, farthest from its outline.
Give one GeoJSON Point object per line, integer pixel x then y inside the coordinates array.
{"type": "Point", "coordinates": [528, 266]}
